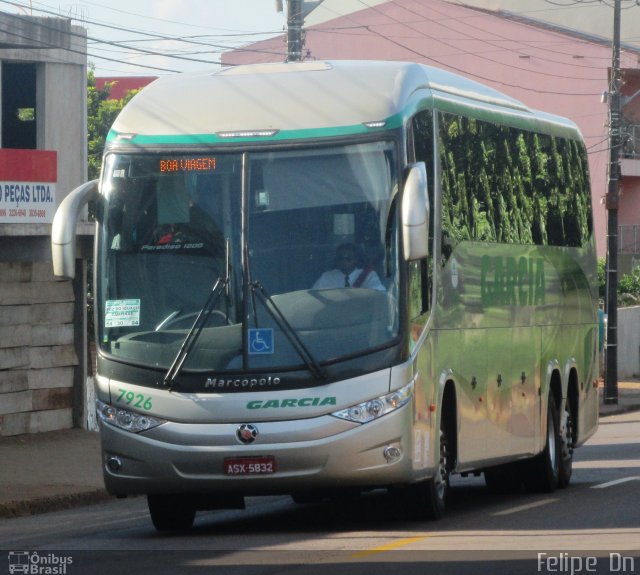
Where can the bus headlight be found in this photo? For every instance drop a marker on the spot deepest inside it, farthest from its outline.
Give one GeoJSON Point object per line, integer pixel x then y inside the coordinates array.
{"type": "Point", "coordinates": [125, 419]}
{"type": "Point", "coordinates": [375, 408]}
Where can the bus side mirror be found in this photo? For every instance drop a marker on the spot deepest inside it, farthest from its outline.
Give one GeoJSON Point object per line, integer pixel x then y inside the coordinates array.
{"type": "Point", "coordinates": [415, 214]}
{"type": "Point", "coordinates": [63, 230]}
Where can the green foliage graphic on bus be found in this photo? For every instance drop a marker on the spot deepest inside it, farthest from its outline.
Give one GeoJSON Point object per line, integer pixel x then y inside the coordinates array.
{"type": "Point", "coordinates": [506, 185]}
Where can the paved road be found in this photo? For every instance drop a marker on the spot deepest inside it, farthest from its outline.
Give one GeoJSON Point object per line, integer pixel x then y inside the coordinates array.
{"type": "Point", "coordinates": [592, 527]}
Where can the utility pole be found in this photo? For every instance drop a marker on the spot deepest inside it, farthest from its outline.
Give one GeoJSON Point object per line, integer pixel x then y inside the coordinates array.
{"type": "Point", "coordinates": [295, 20]}
{"type": "Point", "coordinates": [612, 201]}
{"type": "Point", "coordinates": [297, 11]}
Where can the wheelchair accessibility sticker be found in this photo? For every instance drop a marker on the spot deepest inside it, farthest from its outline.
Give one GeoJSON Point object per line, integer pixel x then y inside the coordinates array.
{"type": "Point", "coordinates": [260, 341]}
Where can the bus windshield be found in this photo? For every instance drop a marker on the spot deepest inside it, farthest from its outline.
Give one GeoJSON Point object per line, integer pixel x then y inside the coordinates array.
{"type": "Point", "coordinates": [303, 243]}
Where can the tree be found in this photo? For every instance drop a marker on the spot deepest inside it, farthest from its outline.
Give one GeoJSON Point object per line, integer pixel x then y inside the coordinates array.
{"type": "Point", "coordinates": [628, 285]}
{"type": "Point", "coordinates": [101, 113]}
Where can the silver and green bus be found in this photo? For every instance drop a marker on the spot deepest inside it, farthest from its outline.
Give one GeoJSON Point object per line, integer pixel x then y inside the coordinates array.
{"type": "Point", "coordinates": [331, 277]}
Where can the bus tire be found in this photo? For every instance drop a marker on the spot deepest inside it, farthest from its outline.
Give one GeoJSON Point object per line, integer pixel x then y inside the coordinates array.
{"type": "Point", "coordinates": [171, 512]}
{"type": "Point", "coordinates": [542, 472]}
{"type": "Point", "coordinates": [428, 499]}
{"type": "Point", "coordinates": [566, 446]}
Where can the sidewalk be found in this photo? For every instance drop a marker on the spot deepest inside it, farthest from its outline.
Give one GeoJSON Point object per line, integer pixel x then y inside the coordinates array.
{"type": "Point", "coordinates": [49, 471]}
{"type": "Point", "coordinates": [60, 469]}
{"type": "Point", "coordinates": [628, 398]}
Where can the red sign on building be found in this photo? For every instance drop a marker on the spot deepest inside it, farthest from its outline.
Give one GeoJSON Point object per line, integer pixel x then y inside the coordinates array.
{"type": "Point", "coordinates": [28, 186]}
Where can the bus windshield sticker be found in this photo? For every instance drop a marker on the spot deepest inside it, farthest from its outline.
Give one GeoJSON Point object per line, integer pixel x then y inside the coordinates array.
{"type": "Point", "coordinates": [260, 341]}
{"type": "Point", "coordinates": [122, 312]}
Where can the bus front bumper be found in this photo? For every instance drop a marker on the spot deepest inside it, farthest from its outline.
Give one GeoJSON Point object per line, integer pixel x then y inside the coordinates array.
{"type": "Point", "coordinates": [304, 454]}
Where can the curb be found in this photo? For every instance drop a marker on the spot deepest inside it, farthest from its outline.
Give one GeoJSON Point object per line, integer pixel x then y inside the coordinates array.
{"type": "Point", "coordinates": [618, 410]}
{"type": "Point", "coordinates": [53, 503]}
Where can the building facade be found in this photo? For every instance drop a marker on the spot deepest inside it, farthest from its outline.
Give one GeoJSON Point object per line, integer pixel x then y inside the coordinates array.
{"type": "Point", "coordinates": [42, 157]}
{"type": "Point", "coordinates": [629, 215]}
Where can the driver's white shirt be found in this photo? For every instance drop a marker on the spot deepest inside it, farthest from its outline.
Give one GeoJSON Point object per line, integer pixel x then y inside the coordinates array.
{"type": "Point", "coordinates": [335, 279]}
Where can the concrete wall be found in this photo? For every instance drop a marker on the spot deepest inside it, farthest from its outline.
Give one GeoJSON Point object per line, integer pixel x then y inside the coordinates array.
{"type": "Point", "coordinates": [37, 354]}
{"type": "Point", "coordinates": [629, 342]}
{"type": "Point", "coordinates": [62, 103]}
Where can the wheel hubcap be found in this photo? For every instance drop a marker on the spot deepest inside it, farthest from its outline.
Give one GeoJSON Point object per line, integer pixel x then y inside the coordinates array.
{"type": "Point", "coordinates": [442, 475]}
{"type": "Point", "coordinates": [551, 438]}
{"type": "Point", "coordinates": [566, 433]}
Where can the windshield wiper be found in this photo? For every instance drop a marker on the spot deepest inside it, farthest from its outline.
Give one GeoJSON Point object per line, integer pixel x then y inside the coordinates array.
{"type": "Point", "coordinates": [221, 284]}
{"type": "Point", "coordinates": [274, 311]}
{"type": "Point", "coordinates": [194, 333]}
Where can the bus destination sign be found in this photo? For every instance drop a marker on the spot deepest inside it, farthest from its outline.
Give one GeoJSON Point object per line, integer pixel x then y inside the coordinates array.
{"type": "Point", "coordinates": [202, 164]}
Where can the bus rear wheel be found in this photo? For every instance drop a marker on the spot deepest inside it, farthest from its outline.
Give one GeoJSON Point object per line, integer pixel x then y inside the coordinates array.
{"type": "Point", "coordinates": [171, 512]}
{"type": "Point", "coordinates": [542, 473]}
{"type": "Point", "coordinates": [566, 446]}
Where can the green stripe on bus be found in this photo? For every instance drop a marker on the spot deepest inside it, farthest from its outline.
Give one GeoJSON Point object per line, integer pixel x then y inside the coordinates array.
{"type": "Point", "coordinates": [285, 135]}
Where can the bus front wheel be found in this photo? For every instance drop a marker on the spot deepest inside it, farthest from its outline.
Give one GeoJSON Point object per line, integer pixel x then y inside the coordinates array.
{"type": "Point", "coordinates": [428, 499]}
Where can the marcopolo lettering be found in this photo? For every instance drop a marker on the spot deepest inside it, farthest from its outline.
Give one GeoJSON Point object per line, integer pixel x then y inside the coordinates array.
{"type": "Point", "coordinates": [512, 281]}
{"type": "Point", "coordinates": [247, 383]}
{"type": "Point", "coordinates": [292, 402]}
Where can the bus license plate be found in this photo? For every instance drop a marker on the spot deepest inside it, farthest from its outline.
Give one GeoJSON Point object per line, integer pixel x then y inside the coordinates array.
{"type": "Point", "coordinates": [250, 465]}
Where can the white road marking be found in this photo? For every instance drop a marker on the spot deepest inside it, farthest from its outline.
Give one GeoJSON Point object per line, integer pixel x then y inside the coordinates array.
{"type": "Point", "coordinates": [525, 507]}
{"type": "Point", "coordinates": [615, 482]}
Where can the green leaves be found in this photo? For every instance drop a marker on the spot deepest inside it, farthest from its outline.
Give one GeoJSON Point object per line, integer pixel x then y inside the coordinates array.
{"type": "Point", "coordinates": [101, 113]}
{"type": "Point", "coordinates": [628, 285]}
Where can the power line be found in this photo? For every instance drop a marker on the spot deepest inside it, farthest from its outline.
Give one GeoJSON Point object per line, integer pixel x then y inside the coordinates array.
{"type": "Point", "coordinates": [531, 23]}
{"type": "Point", "coordinates": [431, 58]}
{"type": "Point", "coordinates": [74, 51]}
{"type": "Point", "coordinates": [113, 43]}
{"type": "Point", "coordinates": [82, 20]}
{"type": "Point", "coordinates": [526, 44]}
{"type": "Point", "coordinates": [442, 22]}
{"type": "Point", "coordinates": [217, 48]}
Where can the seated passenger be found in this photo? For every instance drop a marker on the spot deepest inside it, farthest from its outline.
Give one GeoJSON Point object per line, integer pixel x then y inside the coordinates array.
{"type": "Point", "coordinates": [347, 274]}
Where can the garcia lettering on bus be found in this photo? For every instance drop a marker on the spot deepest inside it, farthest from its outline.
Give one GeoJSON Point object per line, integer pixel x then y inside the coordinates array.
{"type": "Point", "coordinates": [293, 402]}
{"type": "Point", "coordinates": [512, 281]}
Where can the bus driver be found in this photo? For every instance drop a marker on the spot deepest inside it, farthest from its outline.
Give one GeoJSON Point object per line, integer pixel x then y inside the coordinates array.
{"type": "Point", "coordinates": [347, 274]}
